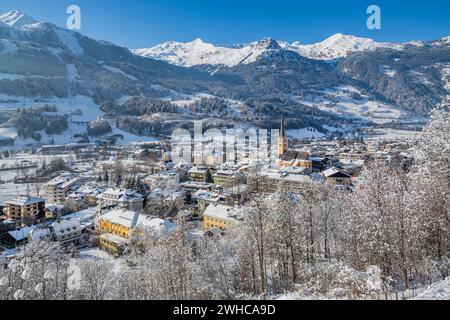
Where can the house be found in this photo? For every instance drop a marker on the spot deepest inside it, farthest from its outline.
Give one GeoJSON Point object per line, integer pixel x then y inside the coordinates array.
{"type": "Point", "coordinates": [337, 177]}
{"type": "Point", "coordinates": [123, 198]}
{"type": "Point", "coordinates": [190, 188]}
{"type": "Point", "coordinates": [163, 180]}
{"type": "Point", "coordinates": [270, 180]}
{"type": "Point", "coordinates": [228, 178]}
{"type": "Point", "coordinates": [56, 190]}
{"type": "Point", "coordinates": [53, 211]}
{"type": "Point", "coordinates": [221, 216]}
{"type": "Point", "coordinates": [87, 194]}
{"type": "Point", "coordinates": [199, 174]}
{"type": "Point", "coordinates": [116, 228]}
{"type": "Point", "coordinates": [67, 231]}
{"type": "Point", "coordinates": [17, 237]}
{"type": "Point", "coordinates": [353, 167]}
{"type": "Point", "coordinates": [204, 198]}
{"type": "Point", "coordinates": [25, 210]}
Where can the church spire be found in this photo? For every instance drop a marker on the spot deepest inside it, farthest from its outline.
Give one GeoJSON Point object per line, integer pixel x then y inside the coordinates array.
{"type": "Point", "coordinates": [282, 128]}
{"type": "Point", "coordinates": [282, 139]}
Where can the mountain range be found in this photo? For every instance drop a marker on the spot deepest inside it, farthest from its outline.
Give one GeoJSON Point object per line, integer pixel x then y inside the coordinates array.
{"type": "Point", "coordinates": [198, 52]}
{"type": "Point", "coordinates": [341, 79]}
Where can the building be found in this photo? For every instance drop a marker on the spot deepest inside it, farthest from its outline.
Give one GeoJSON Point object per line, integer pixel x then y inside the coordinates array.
{"type": "Point", "coordinates": [204, 198]}
{"type": "Point", "coordinates": [124, 198]}
{"type": "Point", "coordinates": [117, 226]}
{"type": "Point", "coordinates": [199, 174]}
{"type": "Point", "coordinates": [271, 180]}
{"type": "Point", "coordinates": [294, 158]}
{"type": "Point", "coordinates": [87, 194]}
{"type": "Point", "coordinates": [291, 158]}
{"type": "Point", "coordinates": [25, 210]}
{"type": "Point", "coordinates": [228, 178]}
{"type": "Point", "coordinates": [283, 144]}
{"type": "Point", "coordinates": [337, 177]}
{"type": "Point", "coordinates": [67, 231]}
{"type": "Point", "coordinates": [56, 190]}
{"type": "Point", "coordinates": [221, 217]}
{"type": "Point", "coordinates": [163, 180]}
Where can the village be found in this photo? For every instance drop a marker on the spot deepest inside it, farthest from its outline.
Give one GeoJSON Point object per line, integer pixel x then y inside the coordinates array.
{"type": "Point", "coordinates": [100, 196]}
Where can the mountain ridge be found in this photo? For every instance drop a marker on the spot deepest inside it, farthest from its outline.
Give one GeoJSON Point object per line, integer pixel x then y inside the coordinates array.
{"type": "Point", "coordinates": [198, 52]}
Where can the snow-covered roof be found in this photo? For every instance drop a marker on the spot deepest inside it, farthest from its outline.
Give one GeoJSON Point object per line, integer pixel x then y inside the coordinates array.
{"type": "Point", "coordinates": [40, 234]}
{"type": "Point", "coordinates": [285, 175]}
{"type": "Point", "coordinates": [21, 234]}
{"type": "Point", "coordinates": [121, 194]}
{"type": "Point", "coordinates": [199, 170]}
{"type": "Point", "coordinates": [23, 201]}
{"type": "Point", "coordinates": [132, 219]}
{"type": "Point", "coordinates": [123, 217]}
{"type": "Point", "coordinates": [66, 226]}
{"type": "Point", "coordinates": [158, 226]}
{"type": "Point", "coordinates": [83, 215]}
{"type": "Point", "coordinates": [207, 195]}
{"type": "Point", "coordinates": [333, 171]}
{"type": "Point", "coordinates": [223, 212]}
{"type": "Point", "coordinates": [64, 181]}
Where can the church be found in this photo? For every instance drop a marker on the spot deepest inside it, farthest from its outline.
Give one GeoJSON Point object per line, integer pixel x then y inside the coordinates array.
{"type": "Point", "coordinates": [291, 158]}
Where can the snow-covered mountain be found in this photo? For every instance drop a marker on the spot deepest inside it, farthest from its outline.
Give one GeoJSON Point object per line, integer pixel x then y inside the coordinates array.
{"type": "Point", "coordinates": [338, 46]}
{"type": "Point", "coordinates": [16, 19]}
{"type": "Point", "coordinates": [199, 52]}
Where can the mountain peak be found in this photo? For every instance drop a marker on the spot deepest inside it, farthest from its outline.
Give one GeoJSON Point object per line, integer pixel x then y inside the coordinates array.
{"type": "Point", "coordinates": [268, 44]}
{"type": "Point", "coordinates": [16, 19]}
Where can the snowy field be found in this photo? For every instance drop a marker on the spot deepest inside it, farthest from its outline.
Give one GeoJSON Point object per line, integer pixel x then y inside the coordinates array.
{"type": "Point", "coordinates": [349, 101]}
{"type": "Point", "coordinates": [306, 133]}
{"type": "Point", "coordinates": [393, 135]}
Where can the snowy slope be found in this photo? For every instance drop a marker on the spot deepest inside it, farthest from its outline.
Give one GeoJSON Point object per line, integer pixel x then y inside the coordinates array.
{"type": "Point", "coordinates": [199, 52]}
{"type": "Point", "coordinates": [438, 291]}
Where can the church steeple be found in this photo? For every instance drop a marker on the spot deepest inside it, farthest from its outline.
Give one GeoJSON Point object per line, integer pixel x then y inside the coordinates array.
{"type": "Point", "coordinates": [282, 139]}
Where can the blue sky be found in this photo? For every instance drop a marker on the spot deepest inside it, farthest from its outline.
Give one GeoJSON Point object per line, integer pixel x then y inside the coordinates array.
{"type": "Point", "coordinates": [142, 23]}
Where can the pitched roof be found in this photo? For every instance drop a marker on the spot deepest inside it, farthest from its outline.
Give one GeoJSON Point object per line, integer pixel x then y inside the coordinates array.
{"type": "Point", "coordinates": [336, 173]}
{"type": "Point", "coordinates": [295, 155]}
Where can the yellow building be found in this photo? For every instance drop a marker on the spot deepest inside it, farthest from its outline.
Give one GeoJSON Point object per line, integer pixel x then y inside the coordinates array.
{"type": "Point", "coordinates": [115, 229]}
{"type": "Point", "coordinates": [25, 210]}
{"type": "Point", "coordinates": [221, 217]}
{"type": "Point", "coordinates": [117, 226]}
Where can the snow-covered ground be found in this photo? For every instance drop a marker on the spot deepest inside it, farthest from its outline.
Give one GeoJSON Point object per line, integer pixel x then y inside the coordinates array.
{"type": "Point", "coordinates": [349, 101]}
{"type": "Point", "coordinates": [305, 133]}
{"type": "Point", "coordinates": [90, 110]}
{"type": "Point", "coordinates": [438, 291]}
{"type": "Point", "coordinates": [392, 134]}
